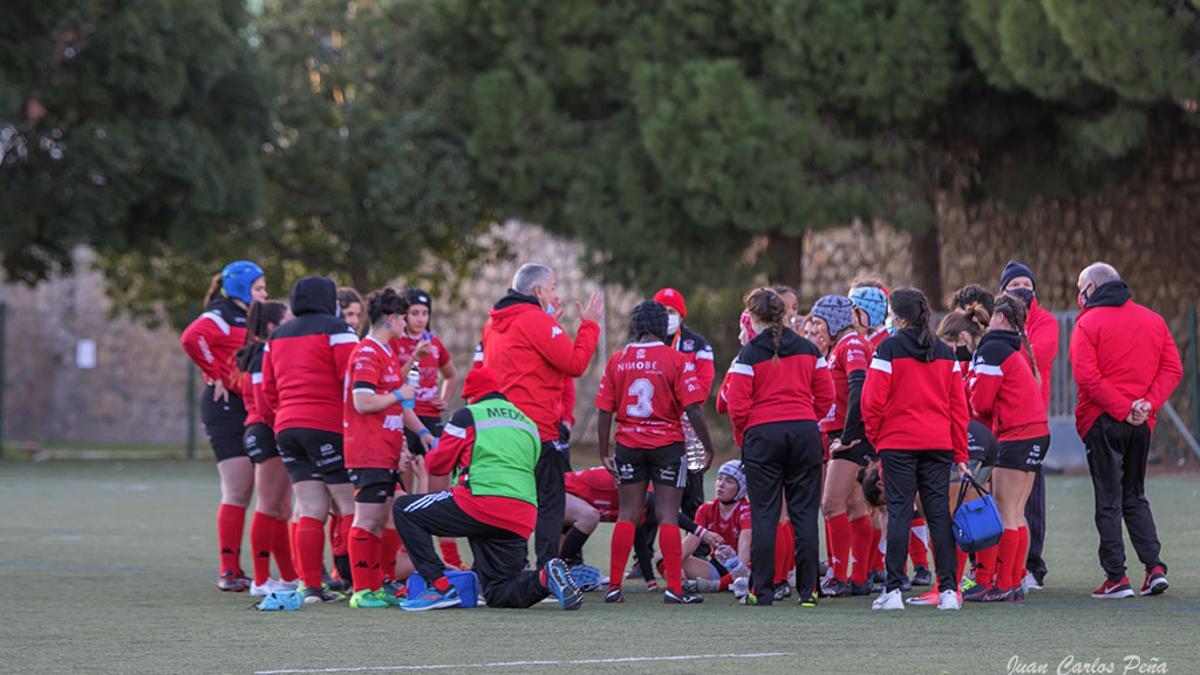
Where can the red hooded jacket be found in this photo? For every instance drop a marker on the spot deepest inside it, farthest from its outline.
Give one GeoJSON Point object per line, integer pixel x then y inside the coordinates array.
{"type": "Point", "coordinates": [909, 403]}
{"type": "Point", "coordinates": [1041, 329]}
{"type": "Point", "coordinates": [532, 357]}
{"type": "Point", "coordinates": [760, 389]}
{"type": "Point", "coordinates": [304, 362]}
{"type": "Point", "coordinates": [1121, 352]}
{"type": "Point", "coordinates": [1004, 394]}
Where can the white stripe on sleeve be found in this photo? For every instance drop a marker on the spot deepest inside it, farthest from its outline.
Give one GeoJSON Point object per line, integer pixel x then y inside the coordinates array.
{"type": "Point", "coordinates": [256, 378]}
{"type": "Point", "coordinates": [881, 364]}
{"type": "Point", "coordinates": [342, 339]}
{"type": "Point", "coordinates": [741, 369]}
{"type": "Point", "coordinates": [455, 431]}
{"type": "Point", "coordinates": [217, 319]}
{"type": "Point", "coordinates": [821, 362]}
{"type": "Point", "coordinates": [987, 369]}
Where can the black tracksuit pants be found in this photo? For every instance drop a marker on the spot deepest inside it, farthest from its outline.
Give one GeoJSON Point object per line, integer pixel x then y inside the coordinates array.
{"type": "Point", "coordinates": [499, 553]}
{"type": "Point", "coordinates": [1035, 515]}
{"type": "Point", "coordinates": [1116, 453]}
{"type": "Point", "coordinates": [783, 459]}
{"type": "Point", "coordinates": [905, 473]}
{"type": "Point", "coordinates": [552, 502]}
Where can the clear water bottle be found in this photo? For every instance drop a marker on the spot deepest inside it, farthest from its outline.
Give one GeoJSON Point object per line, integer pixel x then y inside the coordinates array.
{"type": "Point", "coordinates": [413, 379]}
{"type": "Point", "coordinates": [731, 562]}
{"type": "Point", "coordinates": [693, 446]}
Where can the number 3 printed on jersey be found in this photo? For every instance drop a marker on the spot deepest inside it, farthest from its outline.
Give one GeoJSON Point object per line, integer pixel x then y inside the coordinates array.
{"type": "Point", "coordinates": [643, 390]}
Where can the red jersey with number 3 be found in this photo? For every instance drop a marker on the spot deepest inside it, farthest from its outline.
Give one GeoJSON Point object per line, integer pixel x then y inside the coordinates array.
{"type": "Point", "coordinates": [729, 526]}
{"type": "Point", "coordinates": [372, 440]}
{"type": "Point", "coordinates": [851, 353]}
{"type": "Point", "coordinates": [646, 386]}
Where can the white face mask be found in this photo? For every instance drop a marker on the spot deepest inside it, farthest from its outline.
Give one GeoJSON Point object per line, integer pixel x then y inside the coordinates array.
{"type": "Point", "coordinates": [673, 322]}
{"type": "Point", "coordinates": [550, 309]}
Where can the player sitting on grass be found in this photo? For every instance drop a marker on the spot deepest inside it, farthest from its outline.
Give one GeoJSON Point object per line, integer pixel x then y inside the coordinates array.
{"type": "Point", "coordinates": [724, 520]}
{"type": "Point", "coordinates": [495, 447]}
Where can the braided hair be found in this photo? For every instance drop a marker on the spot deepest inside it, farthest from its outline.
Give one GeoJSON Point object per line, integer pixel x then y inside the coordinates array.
{"type": "Point", "coordinates": [911, 305]}
{"type": "Point", "coordinates": [1013, 309]}
{"type": "Point", "coordinates": [973, 320]}
{"type": "Point", "coordinates": [768, 308]}
{"type": "Point", "coordinates": [258, 321]}
{"type": "Point", "coordinates": [648, 318]}
{"type": "Point", "coordinates": [384, 302]}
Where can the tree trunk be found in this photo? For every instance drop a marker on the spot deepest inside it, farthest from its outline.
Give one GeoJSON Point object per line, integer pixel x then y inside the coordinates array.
{"type": "Point", "coordinates": [787, 258]}
{"type": "Point", "coordinates": [927, 265]}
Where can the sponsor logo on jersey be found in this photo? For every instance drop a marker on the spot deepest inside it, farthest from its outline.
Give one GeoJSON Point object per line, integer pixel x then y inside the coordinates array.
{"type": "Point", "coordinates": [366, 349]}
{"type": "Point", "coordinates": [688, 345]}
{"type": "Point", "coordinates": [641, 354]}
{"type": "Point", "coordinates": [393, 423]}
{"type": "Point", "coordinates": [555, 332]}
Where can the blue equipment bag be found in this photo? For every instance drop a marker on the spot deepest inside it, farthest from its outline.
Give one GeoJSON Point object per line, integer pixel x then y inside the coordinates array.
{"type": "Point", "coordinates": [465, 582]}
{"type": "Point", "coordinates": [977, 525]}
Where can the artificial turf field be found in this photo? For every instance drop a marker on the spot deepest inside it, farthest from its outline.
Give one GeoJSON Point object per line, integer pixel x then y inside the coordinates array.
{"type": "Point", "coordinates": [109, 568]}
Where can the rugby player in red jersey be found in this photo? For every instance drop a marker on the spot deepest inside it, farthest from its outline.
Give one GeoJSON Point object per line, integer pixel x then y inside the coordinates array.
{"type": "Point", "coordinates": [378, 408]}
{"type": "Point", "coordinates": [647, 388]}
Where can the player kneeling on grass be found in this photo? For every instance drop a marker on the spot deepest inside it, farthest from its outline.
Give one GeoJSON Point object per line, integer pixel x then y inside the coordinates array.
{"type": "Point", "coordinates": [648, 387]}
{"type": "Point", "coordinates": [496, 448]}
{"type": "Point", "coordinates": [376, 411]}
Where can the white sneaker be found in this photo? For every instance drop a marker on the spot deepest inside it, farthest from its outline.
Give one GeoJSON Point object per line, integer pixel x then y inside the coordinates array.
{"type": "Point", "coordinates": [263, 591]}
{"type": "Point", "coordinates": [1030, 583]}
{"type": "Point", "coordinates": [888, 600]}
{"type": "Point", "coordinates": [950, 601]}
{"type": "Point", "coordinates": [740, 587]}
{"type": "Point", "coordinates": [281, 585]}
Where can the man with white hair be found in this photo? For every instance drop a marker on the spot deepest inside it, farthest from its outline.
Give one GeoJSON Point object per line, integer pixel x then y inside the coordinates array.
{"type": "Point", "coordinates": [533, 357]}
{"type": "Point", "coordinates": [1126, 365]}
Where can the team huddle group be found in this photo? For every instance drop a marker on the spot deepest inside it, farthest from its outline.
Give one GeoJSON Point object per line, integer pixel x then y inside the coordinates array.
{"type": "Point", "coordinates": [861, 413]}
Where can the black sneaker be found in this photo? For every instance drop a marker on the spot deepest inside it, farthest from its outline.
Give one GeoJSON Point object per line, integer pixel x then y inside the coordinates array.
{"type": "Point", "coordinates": [860, 589]}
{"type": "Point", "coordinates": [976, 593]}
{"type": "Point", "coordinates": [232, 582]}
{"type": "Point", "coordinates": [878, 581]}
{"type": "Point", "coordinates": [921, 576]}
{"type": "Point", "coordinates": [783, 591]}
{"type": "Point", "coordinates": [905, 584]}
{"type": "Point", "coordinates": [1156, 581]}
{"type": "Point", "coordinates": [316, 596]}
{"type": "Point", "coordinates": [672, 598]}
{"type": "Point", "coordinates": [835, 589]}
{"type": "Point", "coordinates": [994, 594]}
{"type": "Point", "coordinates": [614, 595]}
{"type": "Point", "coordinates": [807, 599]}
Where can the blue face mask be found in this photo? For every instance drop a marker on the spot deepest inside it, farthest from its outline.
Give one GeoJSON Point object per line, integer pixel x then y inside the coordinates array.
{"type": "Point", "coordinates": [550, 309]}
{"type": "Point", "coordinates": [887, 324]}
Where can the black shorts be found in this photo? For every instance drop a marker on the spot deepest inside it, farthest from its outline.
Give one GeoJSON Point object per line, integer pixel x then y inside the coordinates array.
{"type": "Point", "coordinates": [663, 466]}
{"type": "Point", "coordinates": [312, 454]}
{"type": "Point", "coordinates": [259, 443]}
{"type": "Point", "coordinates": [224, 423]}
{"type": "Point", "coordinates": [433, 424]}
{"type": "Point", "coordinates": [373, 486]}
{"type": "Point", "coordinates": [1024, 455]}
{"type": "Point", "coordinates": [861, 454]}
{"type": "Point", "coordinates": [981, 444]}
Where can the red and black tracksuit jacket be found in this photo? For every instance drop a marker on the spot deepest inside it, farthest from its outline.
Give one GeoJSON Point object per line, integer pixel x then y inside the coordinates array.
{"type": "Point", "coordinates": [1121, 352]}
{"type": "Point", "coordinates": [1004, 394]}
{"type": "Point", "coordinates": [796, 387]}
{"type": "Point", "coordinates": [212, 342]}
{"type": "Point", "coordinates": [1041, 329]}
{"type": "Point", "coordinates": [912, 402]}
{"type": "Point", "coordinates": [699, 356]}
{"type": "Point", "coordinates": [304, 363]}
{"type": "Point", "coordinates": [533, 358]}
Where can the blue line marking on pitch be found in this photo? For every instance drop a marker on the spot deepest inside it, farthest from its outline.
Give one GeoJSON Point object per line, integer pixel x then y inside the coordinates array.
{"type": "Point", "coordinates": [73, 568]}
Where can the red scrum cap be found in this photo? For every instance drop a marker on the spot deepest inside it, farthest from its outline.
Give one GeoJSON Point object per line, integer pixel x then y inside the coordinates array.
{"type": "Point", "coordinates": [672, 298]}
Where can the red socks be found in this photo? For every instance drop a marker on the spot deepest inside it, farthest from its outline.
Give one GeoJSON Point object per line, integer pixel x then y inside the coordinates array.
{"type": "Point", "coordinates": [839, 537]}
{"type": "Point", "coordinates": [985, 565]}
{"type": "Point", "coordinates": [876, 554]}
{"type": "Point", "coordinates": [861, 533]}
{"type": "Point", "coordinates": [1022, 555]}
{"type": "Point", "coordinates": [672, 551]}
{"type": "Point", "coordinates": [231, 520]}
{"type": "Point", "coordinates": [726, 582]}
{"type": "Point", "coordinates": [1008, 558]}
{"type": "Point", "coordinates": [310, 544]}
{"type": "Point", "coordinates": [364, 549]}
{"type": "Point", "coordinates": [389, 548]}
{"type": "Point", "coordinates": [785, 551]}
{"type": "Point", "coordinates": [338, 534]}
{"type": "Point", "coordinates": [262, 539]}
{"type": "Point", "coordinates": [450, 554]}
{"type": "Point", "coordinates": [917, 536]}
{"type": "Point", "coordinates": [281, 548]}
{"type": "Point", "coordinates": [828, 544]}
{"type": "Point", "coordinates": [963, 557]}
{"type": "Point", "coordinates": [621, 545]}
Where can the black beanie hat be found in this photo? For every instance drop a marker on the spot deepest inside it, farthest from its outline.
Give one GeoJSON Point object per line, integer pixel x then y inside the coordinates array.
{"type": "Point", "coordinates": [1013, 270]}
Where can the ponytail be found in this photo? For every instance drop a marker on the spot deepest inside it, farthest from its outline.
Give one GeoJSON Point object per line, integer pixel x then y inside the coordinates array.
{"type": "Point", "coordinates": [384, 302]}
{"type": "Point", "coordinates": [214, 289]}
{"type": "Point", "coordinates": [1014, 310]}
{"type": "Point", "coordinates": [911, 305]}
{"type": "Point", "coordinates": [258, 321]}
{"type": "Point", "coordinates": [768, 307]}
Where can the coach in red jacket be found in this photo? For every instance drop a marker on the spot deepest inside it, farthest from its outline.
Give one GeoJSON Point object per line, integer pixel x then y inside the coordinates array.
{"type": "Point", "coordinates": [533, 358]}
{"type": "Point", "coordinates": [1041, 329]}
{"type": "Point", "coordinates": [1126, 365]}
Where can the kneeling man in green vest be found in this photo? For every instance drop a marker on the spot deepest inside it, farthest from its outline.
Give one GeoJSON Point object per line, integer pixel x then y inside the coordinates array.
{"type": "Point", "coordinates": [495, 448]}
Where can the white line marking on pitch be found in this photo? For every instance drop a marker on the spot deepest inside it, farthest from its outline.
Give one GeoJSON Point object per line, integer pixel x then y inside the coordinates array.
{"type": "Point", "coordinates": [517, 664]}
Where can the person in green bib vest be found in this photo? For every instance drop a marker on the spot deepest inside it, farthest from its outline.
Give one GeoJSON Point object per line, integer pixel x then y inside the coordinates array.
{"type": "Point", "coordinates": [496, 448]}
